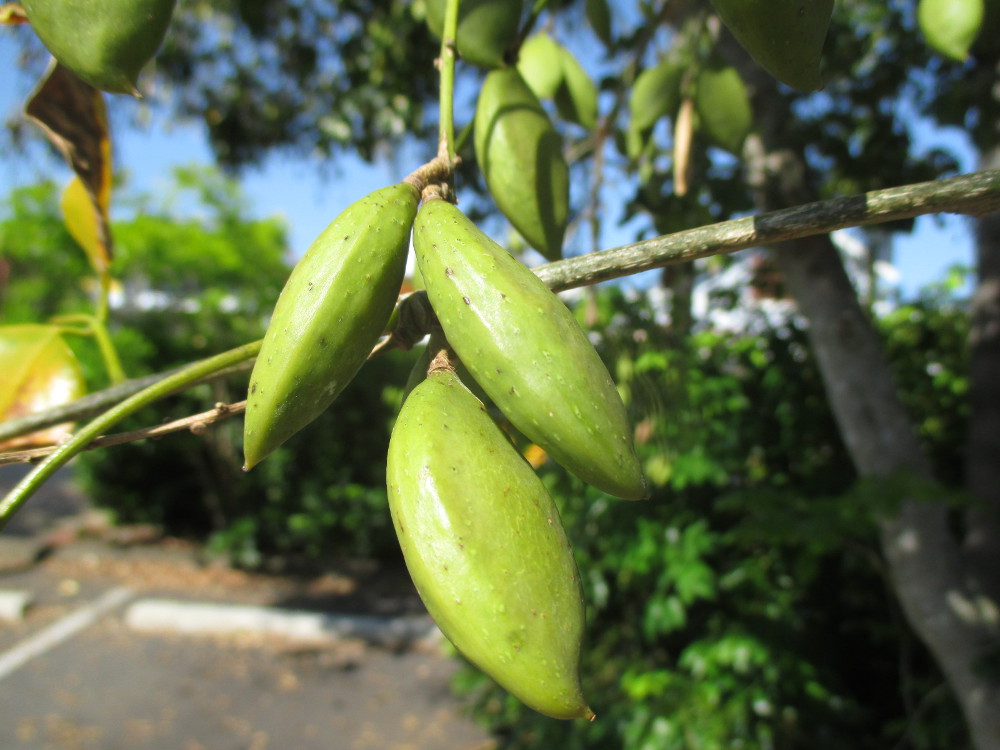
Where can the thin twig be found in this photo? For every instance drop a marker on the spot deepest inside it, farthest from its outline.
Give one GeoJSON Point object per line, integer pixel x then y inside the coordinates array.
{"type": "Point", "coordinates": [82, 437]}
{"type": "Point", "coordinates": [196, 423]}
{"type": "Point", "coordinates": [95, 403]}
{"type": "Point", "coordinates": [973, 194]}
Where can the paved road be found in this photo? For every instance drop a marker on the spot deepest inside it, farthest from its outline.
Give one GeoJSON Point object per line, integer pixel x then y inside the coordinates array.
{"type": "Point", "coordinates": [75, 673]}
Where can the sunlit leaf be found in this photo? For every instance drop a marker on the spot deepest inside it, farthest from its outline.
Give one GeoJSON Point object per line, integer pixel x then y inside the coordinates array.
{"type": "Point", "coordinates": [85, 223]}
{"type": "Point", "coordinates": [37, 371]}
{"type": "Point", "coordinates": [73, 116]}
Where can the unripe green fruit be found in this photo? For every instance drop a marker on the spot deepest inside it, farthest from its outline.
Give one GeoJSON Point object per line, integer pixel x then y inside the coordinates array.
{"type": "Point", "coordinates": [520, 155]}
{"type": "Point", "coordinates": [105, 42]}
{"type": "Point", "coordinates": [540, 64]}
{"type": "Point", "coordinates": [552, 72]}
{"type": "Point", "coordinates": [330, 314]}
{"type": "Point", "coordinates": [526, 350]}
{"type": "Point", "coordinates": [485, 547]}
{"type": "Point", "coordinates": [785, 37]}
{"type": "Point", "coordinates": [951, 26]}
{"type": "Point", "coordinates": [486, 28]}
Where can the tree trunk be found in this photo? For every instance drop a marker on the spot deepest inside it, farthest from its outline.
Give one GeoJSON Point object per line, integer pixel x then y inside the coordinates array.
{"type": "Point", "coordinates": [923, 556]}
{"type": "Point", "coordinates": [932, 577]}
{"type": "Point", "coordinates": [982, 466]}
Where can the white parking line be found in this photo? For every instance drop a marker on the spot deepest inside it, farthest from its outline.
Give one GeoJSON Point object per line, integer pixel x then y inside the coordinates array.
{"type": "Point", "coordinates": [209, 618]}
{"type": "Point", "coordinates": [61, 630]}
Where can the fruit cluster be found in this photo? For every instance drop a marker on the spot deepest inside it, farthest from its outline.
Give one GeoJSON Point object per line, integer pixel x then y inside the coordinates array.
{"type": "Point", "coordinates": [481, 537]}
{"type": "Point", "coordinates": [480, 534]}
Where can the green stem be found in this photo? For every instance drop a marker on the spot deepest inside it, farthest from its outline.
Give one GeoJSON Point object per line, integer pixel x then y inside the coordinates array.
{"type": "Point", "coordinates": [97, 328]}
{"type": "Point", "coordinates": [27, 486]}
{"type": "Point", "coordinates": [70, 320]}
{"type": "Point", "coordinates": [102, 298]}
{"type": "Point", "coordinates": [446, 125]}
{"type": "Point", "coordinates": [112, 363]}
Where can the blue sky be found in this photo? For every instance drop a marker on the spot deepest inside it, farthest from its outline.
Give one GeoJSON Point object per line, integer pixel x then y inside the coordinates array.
{"type": "Point", "coordinates": [307, 197]}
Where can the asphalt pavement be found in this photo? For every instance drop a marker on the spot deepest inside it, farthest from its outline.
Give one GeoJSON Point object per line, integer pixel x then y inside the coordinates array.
{"type": "Point", "coordinates": [116, 638]}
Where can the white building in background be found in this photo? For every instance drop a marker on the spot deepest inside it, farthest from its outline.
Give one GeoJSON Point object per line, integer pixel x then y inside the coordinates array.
{"type": "Point", "coordinates": [761, 297]}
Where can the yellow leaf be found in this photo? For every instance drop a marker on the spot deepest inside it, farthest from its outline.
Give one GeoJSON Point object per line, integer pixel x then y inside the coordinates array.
{"type": "Point", "coordinates": [83, 220]}
{"type": "Point", "coordinates": [38, 370]}
{"type": "Point", "coordinates": [74, 118]}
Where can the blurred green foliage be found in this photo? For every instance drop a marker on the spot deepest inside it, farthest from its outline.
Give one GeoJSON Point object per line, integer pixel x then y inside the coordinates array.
{"type": "Point", "coordinates": [189, 288]}
{"type": "Point", "coordinates": [745, 605]}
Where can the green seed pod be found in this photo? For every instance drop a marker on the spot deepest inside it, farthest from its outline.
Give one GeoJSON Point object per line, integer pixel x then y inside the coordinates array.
{"type": "Point", "coordinates": [725, 115]}
{"type": "Point", "coordinates": [785, 37]}
{"type": "Point", "coordinates": [576, 96]}
{"type": "Point", "coordinates": [520, 155]}
{"type": "Point", "coordinates": [330, 314]}
{"type": "Point", "coordinates": [526, 350]}
{"type": "Point", "coordinates": [540, 64]}
{"type": "Point", "coordinates": [951, 26]}
{"type": "Point", "coordinates": [105, 42]}
{"type": "Point", "coordinates": [486, 28]}
{"type": "Point", "coordinates": [485, 547]}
